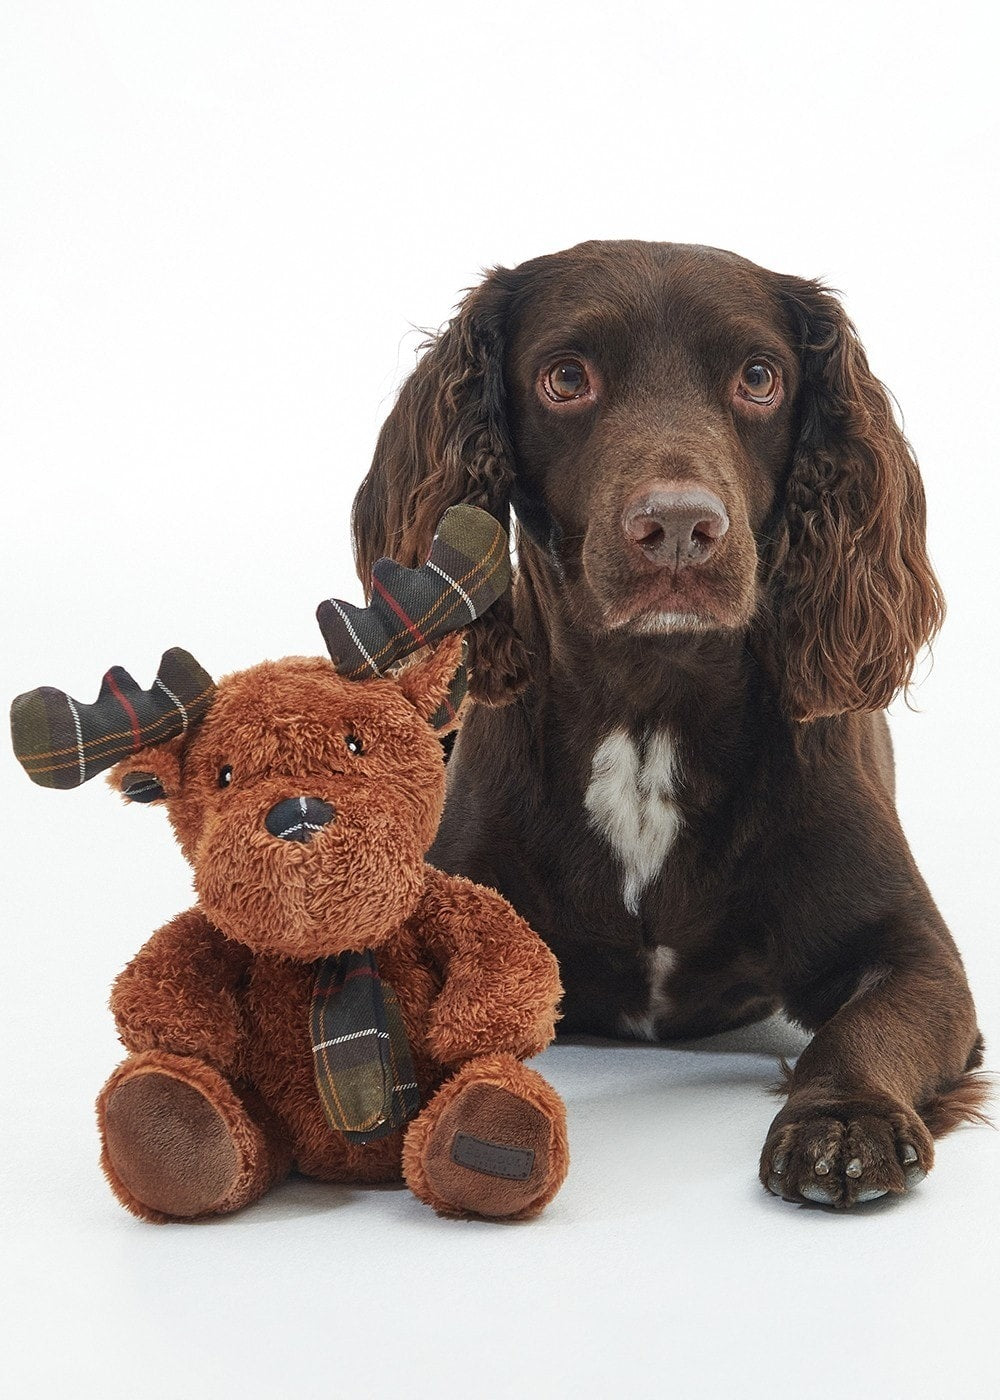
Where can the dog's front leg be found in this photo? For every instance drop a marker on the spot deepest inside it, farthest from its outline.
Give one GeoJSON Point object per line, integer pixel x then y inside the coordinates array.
{"type": "Point", "coordinates": [884, 1073]}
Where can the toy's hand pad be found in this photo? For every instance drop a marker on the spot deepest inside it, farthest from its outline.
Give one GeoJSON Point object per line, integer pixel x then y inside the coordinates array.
{"type": "Point", "coordinates": [208, 1027]}
{"type": "Point", "coordinates": [177, 993]}
{"type": "Point", "coordinates": [501, 983]}
{"type": "Point", "coordinates": [465, 1023]}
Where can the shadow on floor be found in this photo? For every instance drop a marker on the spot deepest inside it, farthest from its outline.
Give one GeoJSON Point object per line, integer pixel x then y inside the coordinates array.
{"type": "Point", "coordinates": [768, 1040]}
{"type": "Point", "coordinates": [772, 1039]}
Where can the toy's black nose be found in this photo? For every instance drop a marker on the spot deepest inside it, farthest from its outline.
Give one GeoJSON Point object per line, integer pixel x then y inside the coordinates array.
{"type": "Point", "coordinates": [299, 818]}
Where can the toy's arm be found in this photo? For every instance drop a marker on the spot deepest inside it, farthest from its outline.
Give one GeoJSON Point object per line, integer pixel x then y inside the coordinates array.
{"type": "Point", "coordinates": [178, 992]}
{"type": "Point", "coordinates": [501, 984]}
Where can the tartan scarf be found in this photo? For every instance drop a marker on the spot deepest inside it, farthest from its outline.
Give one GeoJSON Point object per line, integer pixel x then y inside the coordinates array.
{"type": "Point", "coordinates": [361, 1057]}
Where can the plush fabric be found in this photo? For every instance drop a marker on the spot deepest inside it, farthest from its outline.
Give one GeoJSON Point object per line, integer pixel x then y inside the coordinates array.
{"type": "Point", "coordinates": [467, 569]}
{"type": "Point", "coordinates": [179, 1141]}
{"type": "Point", "coordinates": [506, 1117]}
{"type": "Point", "coordinates": [328, 981]}
{"type": "Point", "coordinates": [61, 743]}
{"type": "Point", "coordinates": [223, 998]}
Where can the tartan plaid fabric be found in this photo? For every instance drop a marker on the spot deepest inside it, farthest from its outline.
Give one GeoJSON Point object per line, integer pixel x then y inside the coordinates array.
{"type": "Point", "coordinates": [467, 570]}
{"type": "Point", "coordinates": [361, 1057]}
{"type": "Point", "coordinates": [444, 715]}
{"type": "Point", "coordinates": [61, 743]}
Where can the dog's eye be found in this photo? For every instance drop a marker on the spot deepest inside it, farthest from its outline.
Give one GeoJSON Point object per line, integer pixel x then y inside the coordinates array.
{"type": "Point", "coordinates": [566, 379]}
{"type": "Point", "coordinates": [225, 776]}
{"type": "Point", "coordinates": [354, 745]}
{"type": "Point", "coordinates": [758, 382]}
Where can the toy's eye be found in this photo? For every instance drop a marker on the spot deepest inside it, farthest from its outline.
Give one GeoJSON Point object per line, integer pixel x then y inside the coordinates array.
{"type": "Point", "coordinates": [354, 745]}
{"type": "Point", "coordinates": [225, 776]}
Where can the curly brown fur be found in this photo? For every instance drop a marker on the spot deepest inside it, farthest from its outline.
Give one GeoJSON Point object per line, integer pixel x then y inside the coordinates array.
{"type": "Point", "coordinates": [445, 443]}
{"type": "Point", "coordinates": [854, 595]}
{"type": "Point", "coordinates": [692, 799]}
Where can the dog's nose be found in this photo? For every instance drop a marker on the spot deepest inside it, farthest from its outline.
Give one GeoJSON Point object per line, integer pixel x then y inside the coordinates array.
{"type": "Point", "coordinates": [676, 528]}
{"type": "Point", "coordinates": [299, 818]}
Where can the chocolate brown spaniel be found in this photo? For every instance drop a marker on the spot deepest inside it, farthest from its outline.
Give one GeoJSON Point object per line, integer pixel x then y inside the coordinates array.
{"type": "Point", "coordinates": [678, 771]}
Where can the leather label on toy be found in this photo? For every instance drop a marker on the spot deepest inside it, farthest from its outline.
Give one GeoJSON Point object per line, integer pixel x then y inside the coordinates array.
{"type": "Point", "coordinates": [491, 1159]}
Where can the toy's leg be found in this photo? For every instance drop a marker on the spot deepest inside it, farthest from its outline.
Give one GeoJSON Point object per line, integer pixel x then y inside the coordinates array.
{"type": "Point", "coordinates": [179, 1142]}
{"type": "Point", "coordinates": [491, 1142]}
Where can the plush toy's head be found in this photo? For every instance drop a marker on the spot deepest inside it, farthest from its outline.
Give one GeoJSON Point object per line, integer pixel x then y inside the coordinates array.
{"type": "Point", "coordinates": [305, 802]}
{"type": "Point", "coordinates": [304, 792]}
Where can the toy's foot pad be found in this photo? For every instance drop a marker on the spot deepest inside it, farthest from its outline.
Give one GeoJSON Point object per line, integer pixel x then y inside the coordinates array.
{"type": "Point", "coordinates": [169, 1146]}
{"type": "Point", "coordinates": [489, 1152]}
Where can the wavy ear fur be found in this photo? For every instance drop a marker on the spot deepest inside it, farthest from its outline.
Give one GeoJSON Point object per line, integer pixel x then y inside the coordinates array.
{"type": "Point", "coordinates": [445, 442]}
{"type": "Point", "coordinates": [854, 595]}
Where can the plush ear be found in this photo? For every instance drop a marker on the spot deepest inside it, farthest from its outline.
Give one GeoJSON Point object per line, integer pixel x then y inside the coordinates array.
{"type": "Point", "coordinates": [853, 594]}
{"type": "Point", "coordinates": [445, 442]}
{"type": "Point", "coordinates": [150, 775]}
{"type": "Point", "coordinates": [428, 684]}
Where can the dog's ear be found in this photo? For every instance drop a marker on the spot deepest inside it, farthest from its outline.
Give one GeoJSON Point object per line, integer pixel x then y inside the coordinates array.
{"type": "Point", "coordinates": [853, 592]}
{"type": "Point", "coordinates": [446, 442]}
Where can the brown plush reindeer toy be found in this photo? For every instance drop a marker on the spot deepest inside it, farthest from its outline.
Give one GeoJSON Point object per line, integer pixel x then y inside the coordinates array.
{"type": "Point", "coordinates": [331, 1003]}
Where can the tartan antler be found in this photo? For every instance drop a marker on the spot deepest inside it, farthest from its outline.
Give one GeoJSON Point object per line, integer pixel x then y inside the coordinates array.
{"type": "Point", "coordinates": [468, 569]}
{"type": "Point", "coordinates": [61, 743]}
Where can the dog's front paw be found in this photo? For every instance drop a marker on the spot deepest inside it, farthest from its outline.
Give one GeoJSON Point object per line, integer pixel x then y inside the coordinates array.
{"type": "Point", "coordinates": [845, 1155]}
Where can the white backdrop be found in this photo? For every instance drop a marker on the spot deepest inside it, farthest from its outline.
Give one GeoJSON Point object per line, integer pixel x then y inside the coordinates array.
{"type": "Point", "coordinates": [221, 223]}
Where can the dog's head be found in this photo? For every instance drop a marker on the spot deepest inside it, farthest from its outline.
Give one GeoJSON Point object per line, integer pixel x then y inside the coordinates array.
{"type": "Point", "coordinates": [690, 443]}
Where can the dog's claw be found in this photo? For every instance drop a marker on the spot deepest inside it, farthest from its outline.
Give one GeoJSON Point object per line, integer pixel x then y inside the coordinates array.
{"type": "Point", "coordinates": [822, 1167]}
{"type": "Point", "coordinates": [778, 1165]}
{"type": "Point", "coordinates": [853, 1168]}
{"type": "Point", "coordinates": [913, 1171]}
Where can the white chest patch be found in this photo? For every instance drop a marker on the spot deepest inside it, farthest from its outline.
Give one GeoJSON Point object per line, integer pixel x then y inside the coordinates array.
{"type": "Point", "coordinates": [659, 965]}
{"type": "Point", "coordinates": [631, 801]}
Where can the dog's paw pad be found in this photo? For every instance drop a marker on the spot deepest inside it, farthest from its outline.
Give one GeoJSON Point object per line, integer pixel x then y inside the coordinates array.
{"type": "Point", "coordinates": [819, 1195]}
{"type": "Point", "coordinates": [870, 1193]}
